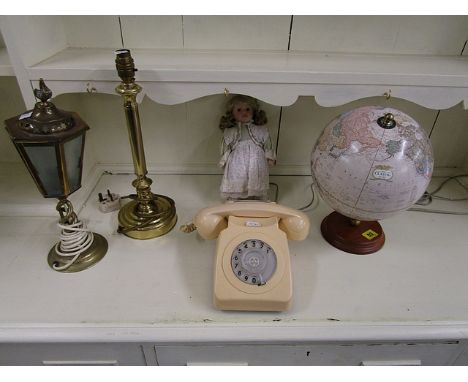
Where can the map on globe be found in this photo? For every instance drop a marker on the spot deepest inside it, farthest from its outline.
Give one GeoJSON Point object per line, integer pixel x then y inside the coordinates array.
{"type": "Point", "coordinates": [368, 172]}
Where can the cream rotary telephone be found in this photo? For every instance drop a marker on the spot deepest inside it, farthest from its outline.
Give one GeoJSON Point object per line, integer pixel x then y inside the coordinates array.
{"type": "Point", "coordinates": [252, 267]}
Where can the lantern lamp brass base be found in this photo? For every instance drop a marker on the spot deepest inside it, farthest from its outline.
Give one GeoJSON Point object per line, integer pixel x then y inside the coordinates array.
{"type": "Point", "coordinates": [88, 258]}
{"type": "Point", "coordinates": [147, 226]}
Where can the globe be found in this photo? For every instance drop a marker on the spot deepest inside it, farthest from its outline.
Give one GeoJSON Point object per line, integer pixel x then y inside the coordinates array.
{"type": "Point", "coordinates": [369, 164]}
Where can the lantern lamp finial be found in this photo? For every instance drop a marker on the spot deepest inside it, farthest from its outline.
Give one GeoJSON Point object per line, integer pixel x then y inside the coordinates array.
{"type": "Point", "coordinates": [43, 93]}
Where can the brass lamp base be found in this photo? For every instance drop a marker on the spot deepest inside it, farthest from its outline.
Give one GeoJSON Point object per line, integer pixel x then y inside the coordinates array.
{"type": "Point", "coordinates": [137, 225]}
{"type": "Point", "coordinates": [88, 258]}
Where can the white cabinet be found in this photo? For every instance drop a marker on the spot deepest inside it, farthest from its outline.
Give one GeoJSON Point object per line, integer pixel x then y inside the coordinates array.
{"type": "Point", "coordinates": [151, 301]}
{"type": "Point", "coordinates": [331, 354]}
{"type": "Point", "coordinates": [156, 285]}
{"type": "Point", "coordinates": [315, 354]}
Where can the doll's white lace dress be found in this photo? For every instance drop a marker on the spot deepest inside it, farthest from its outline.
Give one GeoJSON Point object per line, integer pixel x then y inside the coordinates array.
{"type": "Point", "coordinates": [245, 150]}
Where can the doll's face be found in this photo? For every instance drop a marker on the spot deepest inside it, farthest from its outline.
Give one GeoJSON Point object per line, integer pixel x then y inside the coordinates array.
{"type": "Point", "coordinates": [242, 112]}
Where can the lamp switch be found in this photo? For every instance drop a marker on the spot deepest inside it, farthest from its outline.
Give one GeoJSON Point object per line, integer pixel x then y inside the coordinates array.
{"type": "Point", "coordinates": [110, 202]}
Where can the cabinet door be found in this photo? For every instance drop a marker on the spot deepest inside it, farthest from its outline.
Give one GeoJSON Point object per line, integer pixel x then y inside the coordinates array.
{"type": "Point", "coordinates": [441, 353]}
{"type": "Point", "coordinates": [462, 359]}
{"type": "Point", "coordinates": [71, 354]}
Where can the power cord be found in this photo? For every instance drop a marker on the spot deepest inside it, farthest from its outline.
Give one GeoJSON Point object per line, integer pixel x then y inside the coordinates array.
{"type": "Point", "coordinates": [457, 178]}
{"type": "Point", "coordinates": [276, 191]}
{"type": "Point", "coordinates": [427, 197]}
{"type": "Point", "coordinates": [306, 208]}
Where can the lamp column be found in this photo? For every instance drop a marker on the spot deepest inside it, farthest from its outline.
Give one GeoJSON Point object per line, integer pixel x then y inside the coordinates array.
{"type": "Point", "coordinates": [148, 215]}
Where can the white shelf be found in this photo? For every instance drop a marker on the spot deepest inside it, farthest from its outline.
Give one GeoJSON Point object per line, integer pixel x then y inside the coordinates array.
{"type": "Point", "coordinates": [161, 289]}
{"type": "Point", "coordinates": [176, 75]}
{"type": "Point", "coordinates": [260, 66]}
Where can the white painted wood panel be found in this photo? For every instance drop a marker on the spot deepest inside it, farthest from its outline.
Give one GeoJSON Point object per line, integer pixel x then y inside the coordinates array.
{"type": "Point", "coordinates": [185, 137]}
{"type": "Point", "coordinates": [450, 137]}
{"type": "Point", "coordinates": [236, 32]}
{"type": "Point", "coordinates": [5, 65]}
{"type": "Point", "coordinates": [152, 31]}
{"type": "Point", "coordinates": [105, 116]}
{"type": "Point", "coordinates": [6, 68]}
{"type": "Point", "coordinates": [11, 105]}
{"type": "Point", "coordinates": [92, 31]}
{"type": "Point", "coordinates": [31, 39]}
{"type": "Point", "coordinates": [177, 138]}
{"type": "Point", "coordinates": [428, 35]}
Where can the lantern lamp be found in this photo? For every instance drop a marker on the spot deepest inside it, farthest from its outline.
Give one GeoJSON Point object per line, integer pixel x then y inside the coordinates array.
{"type": "Point", "coordinates": [51, 142]}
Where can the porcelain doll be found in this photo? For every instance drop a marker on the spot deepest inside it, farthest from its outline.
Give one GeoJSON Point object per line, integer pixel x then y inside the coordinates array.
{"type": "Point", "coordinates": [246, 150]}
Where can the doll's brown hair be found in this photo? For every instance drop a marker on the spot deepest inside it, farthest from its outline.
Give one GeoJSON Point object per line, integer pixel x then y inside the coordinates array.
{"type": "Point", "coordinates": [227, 120]}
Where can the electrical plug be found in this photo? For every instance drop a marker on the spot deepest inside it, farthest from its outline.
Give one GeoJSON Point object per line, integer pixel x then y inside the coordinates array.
{"type": "Point", "coordinates": [109, 203]}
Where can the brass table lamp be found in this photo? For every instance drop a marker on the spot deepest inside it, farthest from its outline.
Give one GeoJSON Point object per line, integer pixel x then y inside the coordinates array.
{"type": "Point", "coordinates": [51, 144]}
{"type": "Point", "coordinates": [148, 215]}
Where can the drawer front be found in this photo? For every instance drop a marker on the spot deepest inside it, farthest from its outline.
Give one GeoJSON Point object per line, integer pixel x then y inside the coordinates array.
{"type": "Point", "coordinates": [440, 353]}
{"type": "Point", "coordinates": [71, 354]}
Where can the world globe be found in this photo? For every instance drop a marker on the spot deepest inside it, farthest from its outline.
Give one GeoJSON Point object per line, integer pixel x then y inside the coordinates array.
{"type": "Point", "coordinates": [369, 164]}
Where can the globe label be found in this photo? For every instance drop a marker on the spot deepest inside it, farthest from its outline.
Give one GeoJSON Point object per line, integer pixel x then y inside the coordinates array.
{"type": "Point", "coordinates": [380, 173]}
{"type": "Point", "coordinates": [370, 234]}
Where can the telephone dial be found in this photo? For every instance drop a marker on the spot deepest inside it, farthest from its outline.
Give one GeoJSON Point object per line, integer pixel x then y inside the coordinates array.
{"type": "Point", "coordinates": [252, 266]}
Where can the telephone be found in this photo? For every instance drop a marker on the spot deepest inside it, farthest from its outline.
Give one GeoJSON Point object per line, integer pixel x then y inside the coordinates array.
{"type": "Point", "coordinates": [252, 266]}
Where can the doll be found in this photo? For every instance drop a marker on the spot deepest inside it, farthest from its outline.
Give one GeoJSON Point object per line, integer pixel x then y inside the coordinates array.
{"type": "Point", "coordinates": [246, 150]}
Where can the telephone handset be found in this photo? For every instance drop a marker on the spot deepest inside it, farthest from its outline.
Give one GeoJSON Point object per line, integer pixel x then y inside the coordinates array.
{"type": "Point", "coordinates": [252, 267]}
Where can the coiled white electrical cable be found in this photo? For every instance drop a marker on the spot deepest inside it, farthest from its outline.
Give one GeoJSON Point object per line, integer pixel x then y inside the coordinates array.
{"type": "Point", "coordinates": [74, 240]}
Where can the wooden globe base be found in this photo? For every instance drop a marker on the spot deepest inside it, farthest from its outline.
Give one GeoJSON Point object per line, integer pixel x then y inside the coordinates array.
{"type": "Point", "coordinates": [362, 239]}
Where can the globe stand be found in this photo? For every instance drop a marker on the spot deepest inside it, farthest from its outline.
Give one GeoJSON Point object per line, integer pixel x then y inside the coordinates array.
{"type": "Point", "coordinates": [352, 236]}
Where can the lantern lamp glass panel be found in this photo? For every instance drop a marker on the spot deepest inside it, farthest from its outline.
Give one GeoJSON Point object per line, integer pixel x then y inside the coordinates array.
{"type": "Point", "coordinates": [73, 158]}
{"type": "Point", "coordinates": [44, 161]}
